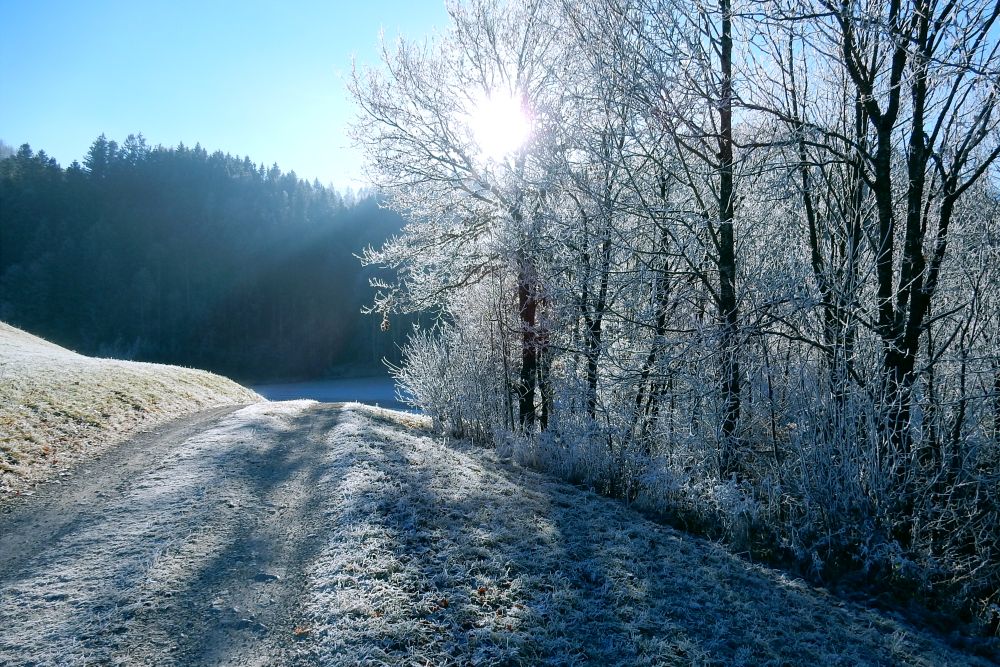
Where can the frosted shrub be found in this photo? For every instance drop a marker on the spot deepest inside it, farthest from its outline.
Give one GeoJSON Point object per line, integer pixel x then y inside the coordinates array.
{"type": "Point", "coordinates": [424, 377]}
{"type": "Point", "coordinates": [682, 484]}
{"type": "Point", "coordinates": [572, 450]}
{"type": "Point", "coordinates": [738, 510]}
{"type": "Point", "coordinates": [820, 494]}
{"type": "Point", "coordinates": [585, 454]}
{"type": "Point", "coordinates": [662, 486]}
{"type": "Point", "coordinates": [454, 381]}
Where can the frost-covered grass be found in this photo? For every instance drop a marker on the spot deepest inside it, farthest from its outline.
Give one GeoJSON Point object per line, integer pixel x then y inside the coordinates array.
{"type": "Point", "coordinates": [297, 533]}
{"type": "Point", "coordinates": [58, 408]}
{"type": "Point", "coordinates": [445, 554]}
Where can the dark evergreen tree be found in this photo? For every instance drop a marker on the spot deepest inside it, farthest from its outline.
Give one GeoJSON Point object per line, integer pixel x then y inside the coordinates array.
{"type": "Point", "coordinates": [181, 256]}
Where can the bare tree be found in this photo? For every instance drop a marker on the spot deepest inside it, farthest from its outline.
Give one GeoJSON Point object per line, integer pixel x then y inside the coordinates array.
{"type": "Point", "coordinates": [739, 267]}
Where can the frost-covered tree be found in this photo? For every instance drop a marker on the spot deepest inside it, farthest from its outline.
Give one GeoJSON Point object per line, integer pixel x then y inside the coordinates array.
{"type": "Point", "coordinates": [742, 268]}
{"type": "Point", "coordinates": [436, 123]}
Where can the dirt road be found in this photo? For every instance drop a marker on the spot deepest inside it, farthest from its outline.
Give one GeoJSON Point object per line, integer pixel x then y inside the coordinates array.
{"type": "Point", "coordinates": [186, 546]}
{"type": "Point", "coordinates": [303, 533]}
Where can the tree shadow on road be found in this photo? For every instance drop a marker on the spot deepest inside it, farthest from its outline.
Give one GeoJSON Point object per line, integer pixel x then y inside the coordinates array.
{"type": "Point", "coordinates": [203, 559]}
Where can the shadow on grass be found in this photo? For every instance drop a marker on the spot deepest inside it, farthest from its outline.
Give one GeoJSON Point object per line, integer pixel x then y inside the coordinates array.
{"type": "Point", "coordinates": [506, 566]}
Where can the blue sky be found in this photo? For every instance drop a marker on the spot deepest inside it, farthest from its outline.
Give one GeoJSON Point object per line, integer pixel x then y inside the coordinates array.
{"type": "Point", "coordinates": [253, 77]}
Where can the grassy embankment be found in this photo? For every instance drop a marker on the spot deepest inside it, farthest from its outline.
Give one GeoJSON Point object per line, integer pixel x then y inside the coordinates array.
{"type": "Point", "coordinates": [59, 408]}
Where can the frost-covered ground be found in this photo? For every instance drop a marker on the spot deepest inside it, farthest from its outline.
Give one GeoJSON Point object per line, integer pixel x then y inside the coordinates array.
{"type": "Point", "coordinates": [305, 533]}
{"type": "Point", "coordinates": [58, 408]}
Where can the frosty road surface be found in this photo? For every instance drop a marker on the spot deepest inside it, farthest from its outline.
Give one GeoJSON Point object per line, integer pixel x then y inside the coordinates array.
{"type": "Point", "coordinates": [312, 534]}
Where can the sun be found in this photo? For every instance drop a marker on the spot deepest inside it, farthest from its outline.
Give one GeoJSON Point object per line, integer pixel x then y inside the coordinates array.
{"type": "Point", "coordinates": [500, 125]}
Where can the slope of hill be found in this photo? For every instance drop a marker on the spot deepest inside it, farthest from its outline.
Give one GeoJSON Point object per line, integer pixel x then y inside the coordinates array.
{"type": "Point", "coordinates": [58, 408]}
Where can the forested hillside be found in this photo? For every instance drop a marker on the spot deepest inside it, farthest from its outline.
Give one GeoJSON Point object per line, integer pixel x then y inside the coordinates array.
{"type": "Point", "coordinates": [180, 256]}
{"type": "Point", "coordinates": [735, 261]}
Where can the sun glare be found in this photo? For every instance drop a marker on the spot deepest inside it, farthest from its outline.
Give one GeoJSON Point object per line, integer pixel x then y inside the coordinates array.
{"type": "Point", "coordinates": [499, 125]}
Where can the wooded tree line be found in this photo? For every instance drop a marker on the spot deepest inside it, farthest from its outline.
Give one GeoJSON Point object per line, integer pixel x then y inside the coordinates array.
{"type": "Point", "coordinates": [745, 271]}
{"type": "Point", "coordinates": [180, 256]}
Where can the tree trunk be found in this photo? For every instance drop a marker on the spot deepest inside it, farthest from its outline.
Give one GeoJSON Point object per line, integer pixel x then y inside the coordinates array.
{"type": "Point", "coordinates": [594, 320]}
{"type": "Point", "coordinates": [729, 462]}
{"type": "Point", "coordinates": [528, 307]}
{"type": "Point", "coordinates": [645, 416]}
{"type": "Point", "coordinates": [996, 400]}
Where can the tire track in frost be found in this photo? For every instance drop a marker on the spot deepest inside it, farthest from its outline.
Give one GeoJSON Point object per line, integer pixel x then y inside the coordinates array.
{"type": "Point", "coordinates": [198, 558]}
{"type": "Point", "coordinates": [27, 525]}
